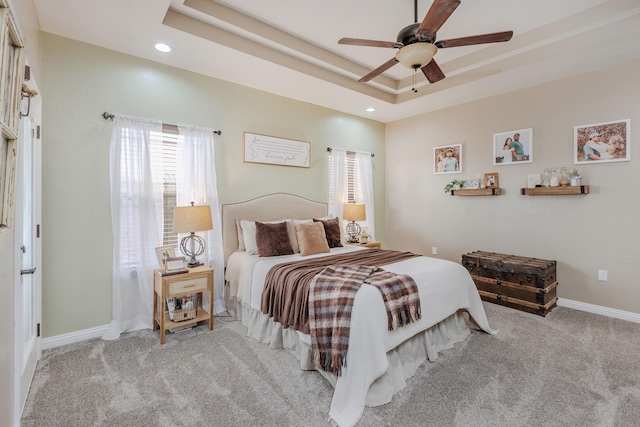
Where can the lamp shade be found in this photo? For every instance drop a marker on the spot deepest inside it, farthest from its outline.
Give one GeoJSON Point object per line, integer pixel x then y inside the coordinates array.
{"type": "Point", "coordinates": [189, 219]}
{"type": "Point", "coordinates": [416, 55]}
{"type": "Point", "coordinates": [354, 212]}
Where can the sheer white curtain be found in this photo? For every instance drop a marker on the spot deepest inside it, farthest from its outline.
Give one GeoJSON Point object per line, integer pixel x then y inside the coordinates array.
{"type": "Point", "coordinates": [197, 183]}
{"type": "Point", "coordinates": [364, 189]}
{"type": "Point", "coordinates": [136, 217]}
{"type": "Point", "coordinates": [337, 181]}
{"type": "Point", "coordinates": [360, 169]}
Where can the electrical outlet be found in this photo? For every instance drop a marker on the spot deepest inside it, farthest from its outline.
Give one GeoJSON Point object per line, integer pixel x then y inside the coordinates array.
{"type": "Point", "coordinates": [434, 250]}
{"type": "Point", "coordinates": [602, 275]}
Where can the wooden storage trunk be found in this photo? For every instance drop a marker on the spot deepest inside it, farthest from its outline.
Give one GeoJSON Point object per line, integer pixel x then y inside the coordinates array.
{"type": "Point", "coordinates": [527, 284]}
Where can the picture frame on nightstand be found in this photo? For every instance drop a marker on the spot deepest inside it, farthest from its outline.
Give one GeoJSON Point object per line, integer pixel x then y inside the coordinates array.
{"type": "Point", "coordinates": [163, 253]}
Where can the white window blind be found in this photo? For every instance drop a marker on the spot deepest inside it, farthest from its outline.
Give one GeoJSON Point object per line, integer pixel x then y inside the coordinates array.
{"type": "Point", "coordinates": [171, 158]}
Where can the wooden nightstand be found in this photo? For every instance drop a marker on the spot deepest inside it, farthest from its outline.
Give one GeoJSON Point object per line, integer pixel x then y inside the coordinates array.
{"type": "Point", "coordinates": [374, 245]}
{"type": "Point", "coordinates": [196, 281]}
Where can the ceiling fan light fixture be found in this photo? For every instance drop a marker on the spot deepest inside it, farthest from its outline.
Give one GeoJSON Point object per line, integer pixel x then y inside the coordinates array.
{"type": "Point", "coordinates": [416, 55]}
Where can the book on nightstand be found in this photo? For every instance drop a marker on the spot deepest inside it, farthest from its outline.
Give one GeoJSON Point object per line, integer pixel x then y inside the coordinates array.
{"type": "Point", "coordinates": [172, 272]}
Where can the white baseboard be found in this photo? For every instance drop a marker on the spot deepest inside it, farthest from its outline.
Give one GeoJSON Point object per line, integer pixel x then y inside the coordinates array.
{"type": "Point", "coordinates": [97, 332]}
{"type": "Point", "coordinates": [73, 337]}
{"type": "Point", "coordinates": [598, 309]}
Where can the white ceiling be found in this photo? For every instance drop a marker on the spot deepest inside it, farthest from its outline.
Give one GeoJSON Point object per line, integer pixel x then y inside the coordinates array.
{"type": "Point", "coordinates": [289, 47]}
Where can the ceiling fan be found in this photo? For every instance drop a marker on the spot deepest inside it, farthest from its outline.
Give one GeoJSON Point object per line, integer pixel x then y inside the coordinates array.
{"type": "Point", "coordinates": [416, 43]}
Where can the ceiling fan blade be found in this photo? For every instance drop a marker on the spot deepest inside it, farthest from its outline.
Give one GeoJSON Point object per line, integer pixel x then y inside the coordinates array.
{"type": "Point", "coordinates": [432, 72]}
{"type": "Point", "coordinates": [371, 43]}
{"type": "Point", "coordinates": [503, 36]}
{"type": "Point", "coordinates": [381, 69]}
{"type": "Point", "coordinates": [438, 13]}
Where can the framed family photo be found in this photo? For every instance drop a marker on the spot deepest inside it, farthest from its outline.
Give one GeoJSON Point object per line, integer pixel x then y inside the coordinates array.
{"type": "Point", "coordinates": [602, 142]}
{"type": "Point", "coordinates": [447, 159]}
{"type": "Point", "coordinates": [513, 147]}
{"type": "Point", "coordinates": [164, 252]}
{"type": "Point", "coordinates": [491, 180]}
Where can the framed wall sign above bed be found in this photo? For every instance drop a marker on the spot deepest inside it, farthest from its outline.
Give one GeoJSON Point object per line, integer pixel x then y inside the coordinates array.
{"type": "Point", "coordinates": [276, 151]}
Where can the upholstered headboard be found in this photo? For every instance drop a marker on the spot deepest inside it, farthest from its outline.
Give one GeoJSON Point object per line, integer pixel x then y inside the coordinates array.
{"type": "Point", "coordinates": [269, 207]}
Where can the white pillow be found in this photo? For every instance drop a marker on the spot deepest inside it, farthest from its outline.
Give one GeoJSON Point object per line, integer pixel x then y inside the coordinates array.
{"type": "Point", "coordinates": [249, 236]}
{"type": "Point", "coordinates": [241, 246]}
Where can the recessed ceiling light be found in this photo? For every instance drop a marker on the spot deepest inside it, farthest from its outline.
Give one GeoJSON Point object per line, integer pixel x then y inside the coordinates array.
{"type": "Point", "coordinates": [371, 109]}
{"type": "Point", "coordinates": [162, 47]}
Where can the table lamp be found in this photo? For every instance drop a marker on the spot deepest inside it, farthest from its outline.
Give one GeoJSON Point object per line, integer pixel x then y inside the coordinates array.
{"type": "Point", "coordinates": [353, 212]}
{"type": "Point", "coordinates": [190, 219]}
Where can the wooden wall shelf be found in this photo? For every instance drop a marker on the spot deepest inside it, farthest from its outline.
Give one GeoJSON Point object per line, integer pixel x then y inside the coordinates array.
{"type": "Point", "coordinates": [555, 191]}
{"type": "Point", "coordinates": [477, 192]}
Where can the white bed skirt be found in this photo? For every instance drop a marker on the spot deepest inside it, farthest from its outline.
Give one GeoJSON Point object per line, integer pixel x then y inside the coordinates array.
{"type": "Point", "coordinates": [404, 360]}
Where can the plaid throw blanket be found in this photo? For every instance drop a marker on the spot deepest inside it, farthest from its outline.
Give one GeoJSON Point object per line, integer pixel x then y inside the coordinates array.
{"type": "Point", "coordinates": [285, 297]}
{"type": "Point", "coordinates": [331, 300]}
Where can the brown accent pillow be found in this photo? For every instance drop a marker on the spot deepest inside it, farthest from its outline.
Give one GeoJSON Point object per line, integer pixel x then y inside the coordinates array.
{"type": "Point", "coordinates": [273, 239]}
{"type": "Point", "coordinates": [332, 230]}
{"type": "Point", "coordinates": [311, 238]}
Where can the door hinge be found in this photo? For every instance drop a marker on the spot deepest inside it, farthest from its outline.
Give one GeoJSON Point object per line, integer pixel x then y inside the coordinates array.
{"type": "Point", "coordinates": [38, 231]}
{"type": "Point", "coordinates": [38, 330]}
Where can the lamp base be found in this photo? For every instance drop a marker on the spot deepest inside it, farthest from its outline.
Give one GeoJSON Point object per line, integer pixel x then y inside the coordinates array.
{"type": "Point", "coordinates": [192, 246]}
{"type": "Point", "coordinates": [353, 231]}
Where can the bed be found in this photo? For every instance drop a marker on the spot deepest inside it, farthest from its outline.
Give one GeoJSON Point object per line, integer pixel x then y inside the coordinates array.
{"type": "Point", "coordinates": [378, 361]}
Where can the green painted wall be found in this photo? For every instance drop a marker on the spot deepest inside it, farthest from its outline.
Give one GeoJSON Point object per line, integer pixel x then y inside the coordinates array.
{"type": "Point", "coordinates": [80, 81]}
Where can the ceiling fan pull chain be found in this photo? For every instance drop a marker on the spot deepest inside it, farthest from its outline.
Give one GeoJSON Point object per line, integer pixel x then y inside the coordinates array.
{"type": "Point", "coordinates": [414, 89]}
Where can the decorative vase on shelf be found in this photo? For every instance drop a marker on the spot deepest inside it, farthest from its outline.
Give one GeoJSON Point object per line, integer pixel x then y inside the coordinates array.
{"type": "Point", "coordinates": [564, 180]}
{"type": "Point", "coordinates": [575, 181]}
{"type": "Point", "coordinates": [554, 181]}
{"type": "Point", "coordinates": [546, 177]}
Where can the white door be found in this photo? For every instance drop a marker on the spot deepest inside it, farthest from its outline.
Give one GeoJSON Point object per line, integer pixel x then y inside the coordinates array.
{"type": "Point", "coordinates": [28, 275]}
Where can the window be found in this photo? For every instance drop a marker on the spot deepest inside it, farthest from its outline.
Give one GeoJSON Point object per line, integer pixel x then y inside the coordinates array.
{"type": "Point", "coordinates": [351, 180]}
{"type": "Point", "coordinates": [171, 158]}
{"type": "Point", "coordinates": [171, 164]}
{"type": "Point", "coordinates": [353, 189]}
{"type": "Point", "coordinates": [351, 184]}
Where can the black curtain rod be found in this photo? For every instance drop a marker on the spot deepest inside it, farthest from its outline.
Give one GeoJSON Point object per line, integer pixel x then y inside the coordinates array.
{"type": "Point", "coordinates": [350, 152]}
{"type": "Point", "coordinates": [108, 116]}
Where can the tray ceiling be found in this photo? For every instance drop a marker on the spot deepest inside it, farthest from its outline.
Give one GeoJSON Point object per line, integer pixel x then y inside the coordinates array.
{"type": "Point", "coordinates": [289, 47]}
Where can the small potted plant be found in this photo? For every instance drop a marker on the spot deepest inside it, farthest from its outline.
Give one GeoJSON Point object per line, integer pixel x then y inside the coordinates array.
{"type": "Point", "coordinates": [364, 237]}
{"type": "Point", "coordinates": [574, 177]}
{"type": "Point", "coordinates": [456, 184]}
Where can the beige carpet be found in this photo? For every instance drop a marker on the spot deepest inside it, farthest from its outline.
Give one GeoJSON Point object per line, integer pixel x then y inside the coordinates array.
{"type": "Point", "coordinates": [568, 369]}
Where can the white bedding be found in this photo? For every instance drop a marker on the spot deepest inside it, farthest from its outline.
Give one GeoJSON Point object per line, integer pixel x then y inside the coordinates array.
{"type": "Point", "coordinates": [444, 287]}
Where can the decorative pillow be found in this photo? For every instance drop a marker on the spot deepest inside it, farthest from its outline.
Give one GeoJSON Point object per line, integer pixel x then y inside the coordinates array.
{"type": "Point", "coordinates": [311, 238]}
{"type": "Point", "coordinates": [273, 239]}
{"type": "Point", "coordinates": [332, 230]}
{"type": "Point", "coordinates": [249, 236]}
{"type": "Point", "coordinates": [241, 246]}
{"type": "Point", "coordinates": [294, 240]}
{"type": "Point", "coordinates": [291, 229]}
{"type": "Point", "coordinates": [248, 232]}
